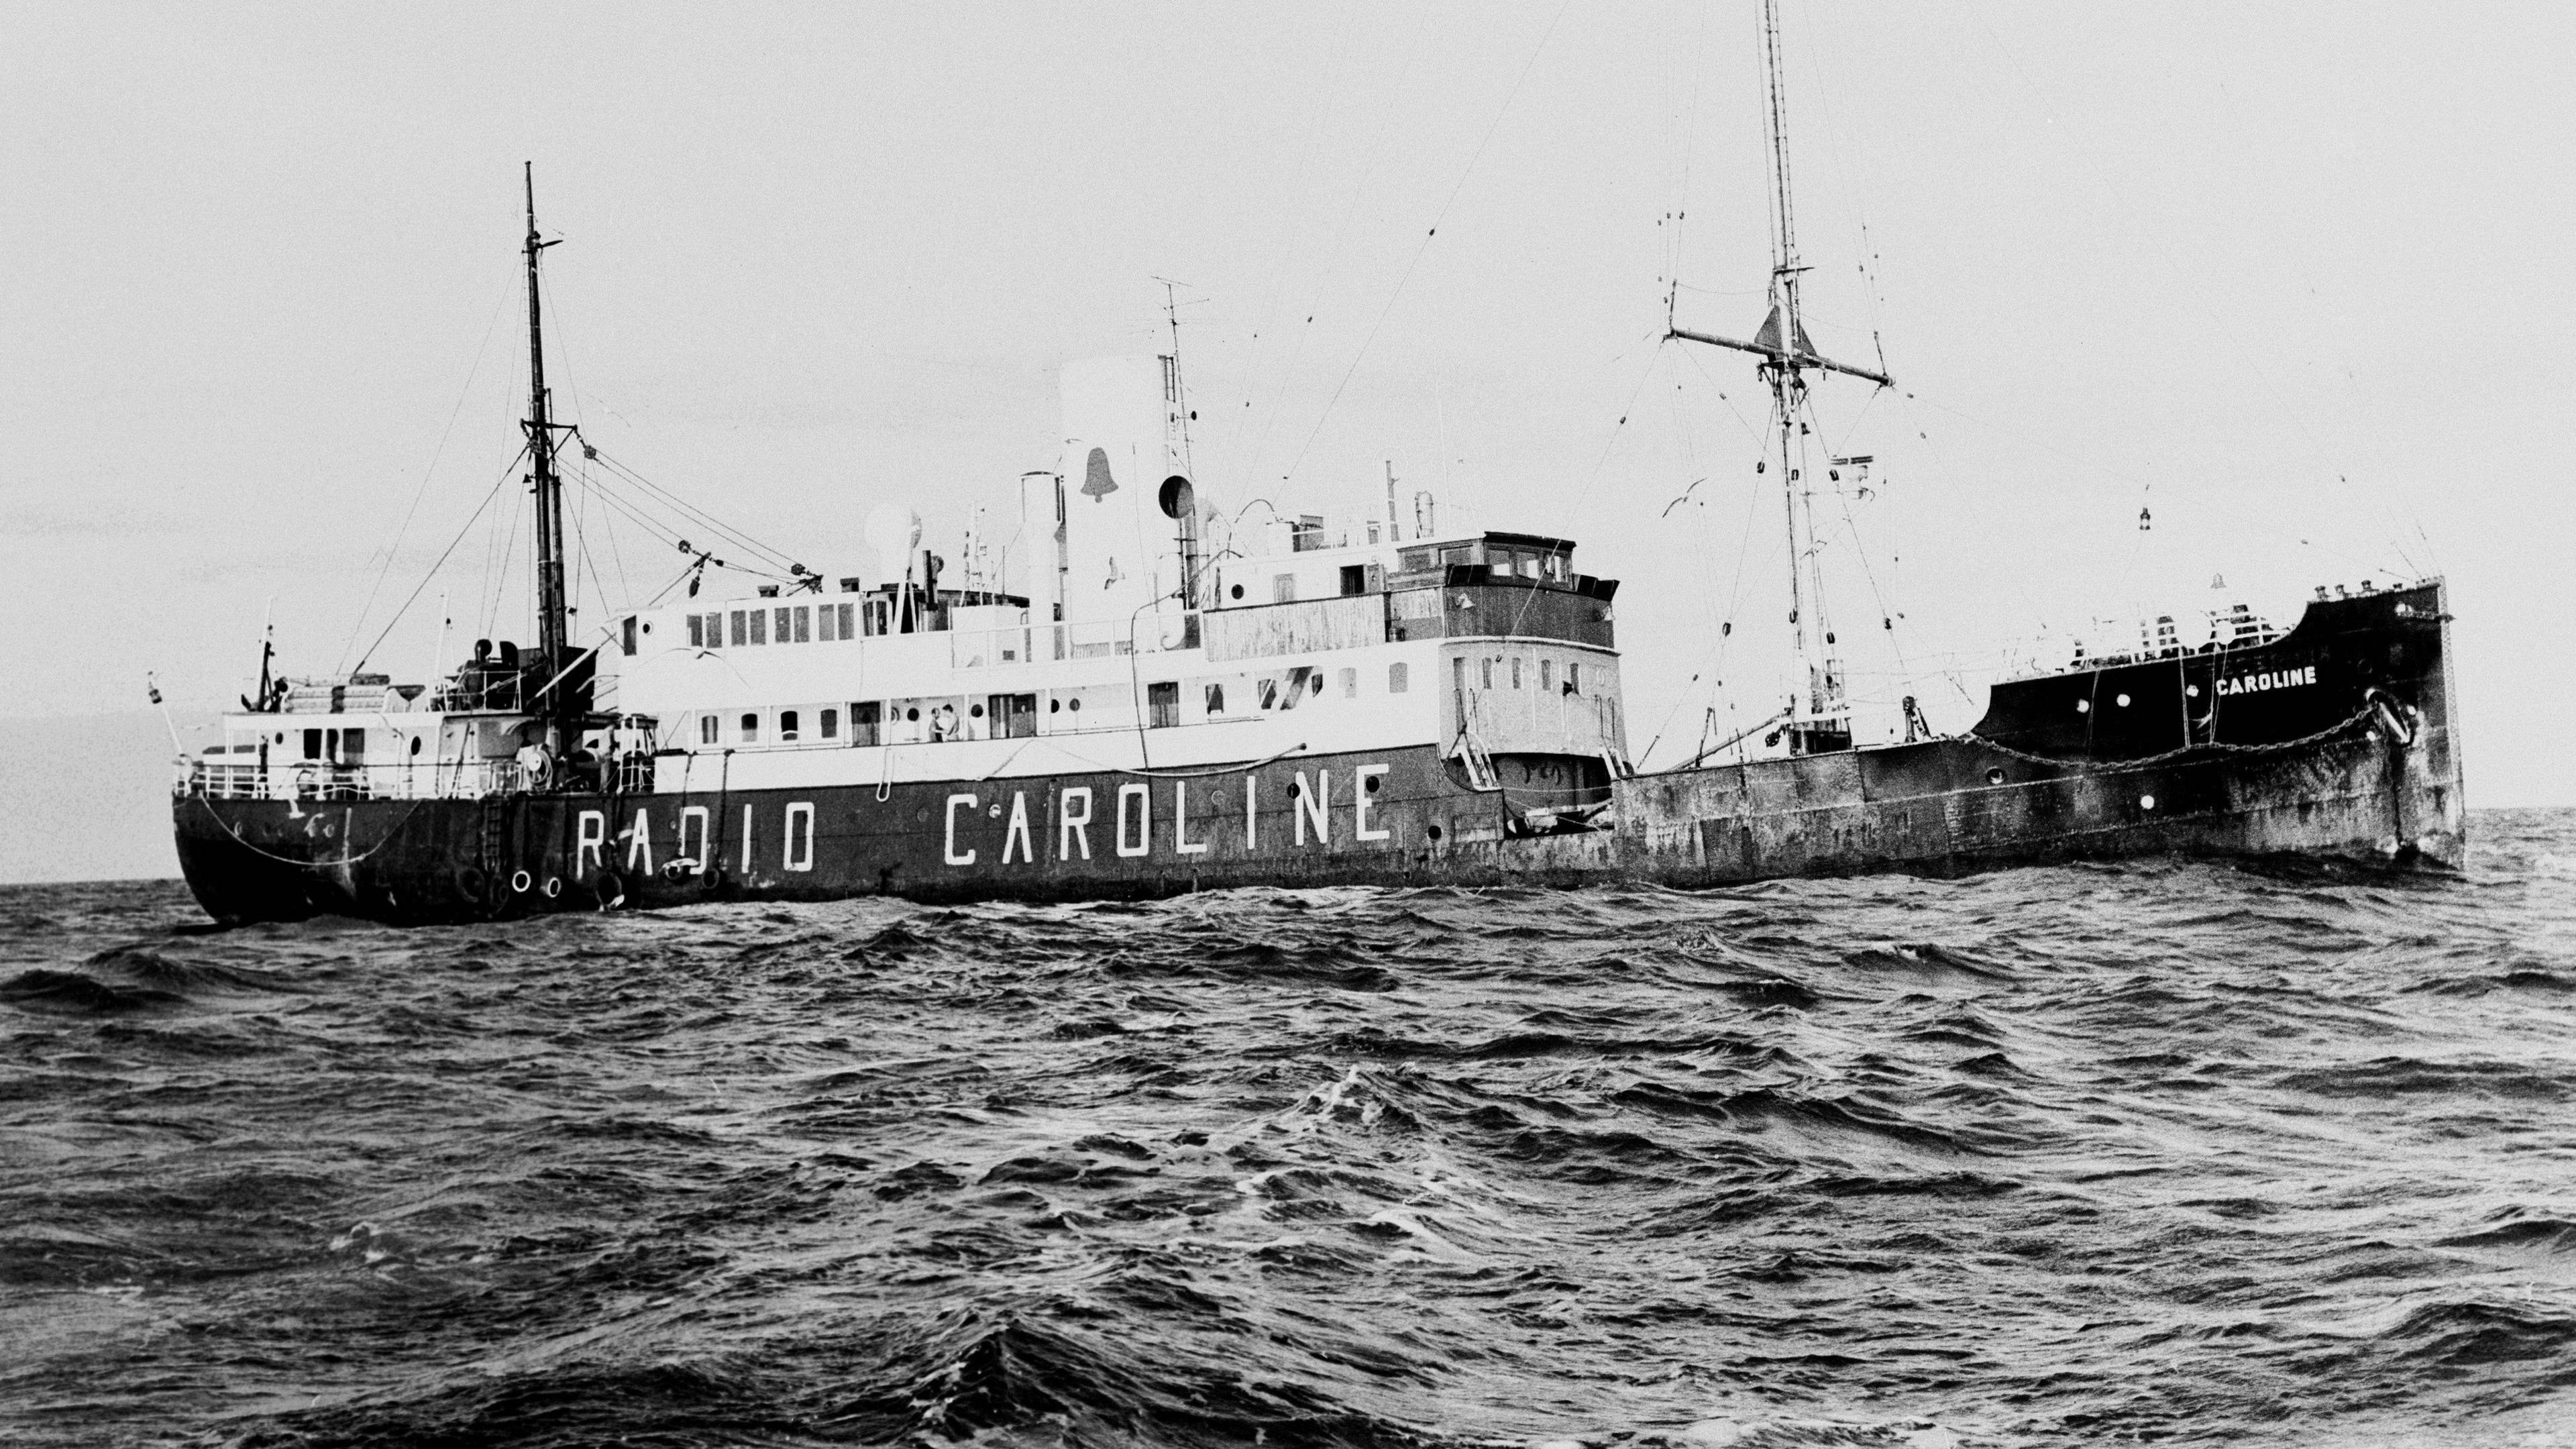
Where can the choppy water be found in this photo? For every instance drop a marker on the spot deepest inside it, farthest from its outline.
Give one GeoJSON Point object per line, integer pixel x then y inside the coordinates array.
{"type": "Point", "coordinates": [2179, 1152]}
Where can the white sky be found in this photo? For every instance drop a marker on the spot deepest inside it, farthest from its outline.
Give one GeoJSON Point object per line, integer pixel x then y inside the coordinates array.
{"type": "Point", "coordinates": [2208, 259]}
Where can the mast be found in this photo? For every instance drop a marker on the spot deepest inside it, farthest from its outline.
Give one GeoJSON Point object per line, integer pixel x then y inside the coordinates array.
{"type": "Point", "coordinates": [1819, 715]}
{"type": "Point", "coordinates": [553, 622]}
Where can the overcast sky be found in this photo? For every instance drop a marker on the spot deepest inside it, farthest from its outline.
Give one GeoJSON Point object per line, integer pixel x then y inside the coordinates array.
{"type": "Point", "coordinates": [2293, 279]}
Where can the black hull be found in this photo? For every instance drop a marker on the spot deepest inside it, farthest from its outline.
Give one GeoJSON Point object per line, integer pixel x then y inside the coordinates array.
{"type": "Point", "coordinates": [2336, 740]}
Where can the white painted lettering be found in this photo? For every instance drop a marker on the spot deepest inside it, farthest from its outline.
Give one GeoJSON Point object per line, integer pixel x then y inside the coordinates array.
{"type": "Point", "coordinates": [1360, 801]}
{"type": "Point", "coordinates": [1071, 828]}
{"type": "Point", "coordinates": [590, 832]}
{"type": "Point", "coordinates": [797, 852]}
{"type": "Point", "coordinates": [693, 843]}
{"type": "Point", "coordinates": [1019, 830]}
{"type": "Point", "coordinates": [1181, 841]}
{"type": "Point", "coordinates": [952, 857]}
{"type": "Point", "coordinates": [1315, 803]}
{"type": "Point", "coordinates": [1144, 798]}
{"type": "Point", "coordinates": [639, 842]}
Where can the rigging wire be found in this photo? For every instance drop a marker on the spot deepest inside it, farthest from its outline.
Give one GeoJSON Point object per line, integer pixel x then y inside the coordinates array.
{"type": "Point", "coordinates": [1425, 244]}
{"type": "Point", "coordinates": [393, 549]}
{"type": "Point", "coordinates": [489, 494]}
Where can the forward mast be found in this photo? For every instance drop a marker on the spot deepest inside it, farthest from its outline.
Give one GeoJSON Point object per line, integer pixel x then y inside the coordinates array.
{"type": "Point", "coordinates": [1819, 715]}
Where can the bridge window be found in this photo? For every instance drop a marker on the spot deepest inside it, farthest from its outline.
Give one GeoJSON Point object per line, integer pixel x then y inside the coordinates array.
{"type": "Point", "coordinates": [1216, 699]}
{"type": "Point", "coordinates": [1574, 676]}
{"type": "Point", "coordinates": [831, 720]}
{"type": "Point", "coordinates": [707, 729]}
{"type": "Point", "coordinates": [843, 618]}
{"type": "Point", "coordinates": [786, 725]}
{"type": "Point", "coordinates": [1546, 675]}
{"type": "Point", "coordinates": [783, 612]}
{"type": "Point", "coordinates": [1396, 678]}
{"type": "Point", "coordinates": [629, 641]}
{"type": "Point", "coordinates": [751, 723]}
{"type": "Point", "coordinates": [739, 637]}
{"type": "Point", "coordinates": [1486, 670]}
{"type": "Point", "coordinates": [697, 632]}
{"type": "Point", "coordinates": [805, 623]}
{"type": "Point", "coordinates": [1516, 671]}
{"type": "Point", "coordinates": [1350, 684]}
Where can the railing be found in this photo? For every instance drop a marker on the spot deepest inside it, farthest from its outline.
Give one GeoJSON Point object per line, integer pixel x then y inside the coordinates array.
{"type": "Point", "coordinates": [314, 780]}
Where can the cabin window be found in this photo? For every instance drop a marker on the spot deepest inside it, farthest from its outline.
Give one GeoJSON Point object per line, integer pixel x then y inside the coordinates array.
{"type": "Point", "coordinates": [786, 725]}
{"type": "Point", "coordinates": [697, 632]}
{"type": "Point", "coordinates": [804, 625]}
{"type": "Point", "coordinates": [1283, 588]}
{"type": "Point", "coordinates": [739, 636]}
{"type": "Point", "coordinates": [1556, 567]}
{"type": "Point", "coordinates": [864, 716]}
{"type": "Point", "coordinates": [1516, 671]}
{"type": "Point", "coordinates": [1500, 563]}
{"type": "Point", "coordinates": [1216, 699]}
{"type": "Point", "coordinates": [1162, 705]}
{"type": "Point", "coordinates": [1354, 579]}
{"type": "Point", "coordinates": [353, 747]}
{"type": "Point", "coordinates": [630, 634]}
{"type": "Point", "coordinates": [1350, 684]}
{"type": "Point", "coordinates": [1487, 671]}
{"type": "Point", "coordinates": [1268, 690]}
{"type": "Point", "coordinates": [707, 727]}
{"type": "Point", "coordinates": [1546, 675]}
{"type": "Point", "coordinates": [312, 744]}
{"type": "Point", "coordinates": [1529, 566]}
{"type": "Point", "coordinates": [1417, 560]}
{"type": "Point", "coordinates": [751, 723]}
{"type": "Point", "coordinates": [829, 725]}
{"type": "Point", "coordinates": [1397, 678]}
{"type": "Point", "coordinates": [1573, 677]}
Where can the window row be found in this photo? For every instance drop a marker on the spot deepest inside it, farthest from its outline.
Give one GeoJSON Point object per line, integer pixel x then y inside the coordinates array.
{"type": "Point", "coordinates": [1516, 671]}
{"type": "Point", "coordinates": [778, 624]}
{"type": "Point", "coordinates": [1010, 716]}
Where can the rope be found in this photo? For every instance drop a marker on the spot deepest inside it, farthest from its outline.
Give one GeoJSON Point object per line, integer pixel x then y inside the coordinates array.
{"type": "Point", "coordinates": [311, 864]}
{"type": "Point", "coordinates": [2212, 747]}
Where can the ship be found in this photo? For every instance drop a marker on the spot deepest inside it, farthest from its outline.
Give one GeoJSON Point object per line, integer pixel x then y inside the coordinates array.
{"type": "Point", "coordinates": [1153, 694]}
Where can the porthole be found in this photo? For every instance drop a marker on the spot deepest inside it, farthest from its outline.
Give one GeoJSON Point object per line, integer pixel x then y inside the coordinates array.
{"type": "Point", "coordinates": [520, 881]}
{"type": "Point", "coordinates": [1235, 593]}
{"type": "Point", "coordinates": [1433, 831]}
{"type": "Point", "coordinates": [2083, 706]}
{"type": "Point", "coordinates": [1372, 784]}
{"type": "Point", "coordinates": [996, 811]}
{"type": "Point", "coordinates": [1295, 789]}
{"type": "Point", "coordinates": [977, 710]}
{"type": "Point", "coordinates": [2122, 701]}
{"type": "Point", "coordinates": [415, 744]}
{"type": "Point", "coordinates": [1995, 776]}
{"type": "Point", "coordinates": [648, 626]}
{"type": "Point", "coordinates": [2146, 802]}
{"type": "Point", "coordinates": [2191, 691]}
{"type": "Point", "coordinates": [1074, 704]}
{"type": "Point", "coordinates": [1055, 706]}
{"type": "Point", "coordinates": [913, 713]}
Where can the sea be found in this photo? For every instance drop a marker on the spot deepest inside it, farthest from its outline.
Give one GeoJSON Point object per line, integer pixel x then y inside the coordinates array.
{"type": "Point", "coordinates": [2167, 1152]}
